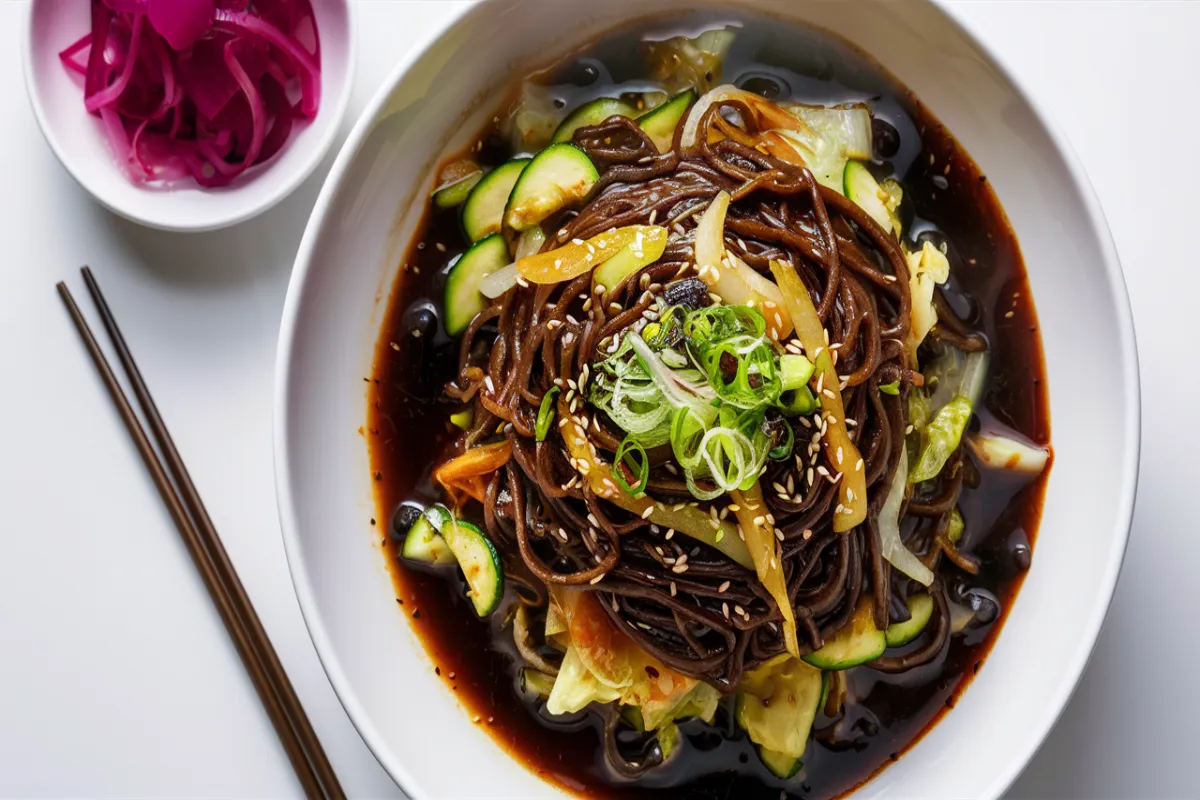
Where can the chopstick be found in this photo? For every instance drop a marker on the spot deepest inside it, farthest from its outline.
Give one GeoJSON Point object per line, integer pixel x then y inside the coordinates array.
{"type": "Point", "coordinates": [292, 725]}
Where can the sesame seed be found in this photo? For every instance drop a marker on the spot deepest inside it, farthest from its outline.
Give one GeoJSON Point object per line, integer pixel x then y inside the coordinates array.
{"type": "Point", "coordinates": [839, 508]}
{"type": "Point", "coordinates": [828, 394]}
{"type": "Point", "coordinates": [596, 579]}
{"type": "Point", "coordinates": [779, 534]}
{"type": "Point", "coordinates": [810, 476]}
{"type": "Point", "coordinates": [673, 589]}
{"type": "Point", "coordinates": [909, 429]}
{"type": "Point", "coordinates": [649, 510]}
{"type": "Point", "coordinates": [679, 569]}
{"type": "Point", "coordinates": [1008, 315]}
{"type": "Point", "coordinates": [824, 473]}
{"type": "Point", "coordinates": [839, 454]}
{"type": "Point", "coordinates": [441, 248]}
{"type": "Point", "coordinates": [669, 534]}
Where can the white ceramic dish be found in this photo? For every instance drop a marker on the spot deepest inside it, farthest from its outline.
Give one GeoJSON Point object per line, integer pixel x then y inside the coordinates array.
{"type": "Point", "coordinates": [347, 261]}
{"type": "Point", "coordinates": [76, 138]}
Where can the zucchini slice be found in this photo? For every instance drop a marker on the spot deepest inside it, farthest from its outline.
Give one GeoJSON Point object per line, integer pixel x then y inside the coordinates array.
{"type": "Point", "coordinates": [423, 543]}
{"type": "Point", "coordinates": [456, 193]}
{"type": "Point", "coordinates": [865, 192]}
{"type": "Point", "coordinates": [483, 210]}
{"type": "Point", "coordinates": [660, 124]}
{"type": "Point", "coordinates": [921, 608]}
{"type": "Point", "coordinates": [556, 177]}
{"type": "Point", "coordinates": [781, 765]}
{"type": "Point", "coordinates": [857, 643]}
{"type": "Point", "coordinates": [592, 113]}
{"type": "Point", "coordinates": [463, 300]}
{"type": "Point", "coordinates": [479, 561]}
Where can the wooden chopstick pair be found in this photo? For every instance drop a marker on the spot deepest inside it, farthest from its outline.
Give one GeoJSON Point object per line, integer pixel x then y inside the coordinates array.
{"type": "Point", "coordinates": [275, 690]}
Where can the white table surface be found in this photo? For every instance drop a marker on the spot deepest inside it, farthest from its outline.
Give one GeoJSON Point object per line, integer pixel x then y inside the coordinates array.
{"type": "Point", "coordinates": [116, 676]}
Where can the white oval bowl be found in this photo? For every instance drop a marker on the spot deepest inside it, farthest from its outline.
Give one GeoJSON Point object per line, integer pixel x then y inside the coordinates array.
{"type": "Point", "coordinates": [77, 139]}
{"type": "Point", "coordinates": [434, 100]}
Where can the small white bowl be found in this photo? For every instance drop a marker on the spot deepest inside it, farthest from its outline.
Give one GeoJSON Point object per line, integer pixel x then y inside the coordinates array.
{"type": "Point", "coordinates": [75, 135]}
{"type": "Point", "coordinates": [433, 102]}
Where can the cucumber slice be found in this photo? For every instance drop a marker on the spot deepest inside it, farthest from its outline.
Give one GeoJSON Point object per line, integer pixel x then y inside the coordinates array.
{"type": "Point", "coordinates": [781, 765]}
{"type": "Point", "coordinates": [479, 561]}
{"type": "Point", "coordinates": [423, 542]}
{"type": "Point", "coordinates": [660, 124]}
{"type": "Point", "coordinates": [592, 113]}
{"type": "Point", "coordinates": [921, 608]}
{"type": "Point", "coordinates": [558, 176]}
{"type": "Point", "coordinates": [860, 641]}
{"type": "Point", "coordinates": [484, 209]}
{"type": "Point", "coordinates": [454, 194]}
{"type": "Point", "coordinates": [463, 300]}
{"type": "Point", "coordinates": [862, 188]}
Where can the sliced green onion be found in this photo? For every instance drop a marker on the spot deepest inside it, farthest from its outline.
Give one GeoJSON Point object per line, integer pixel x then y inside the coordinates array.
{"type": "Point", "coordinates": [892, 388]}
{"type": "Point", "coordinates": [797, 402]}
{"type": "Point", "coordinates": [784, 449]}
{"type": "Point", "coordinates": [546, 414]}
{"type": "Point", "coordinates": [463, 419]}
{"type": "Point", "coordinates": [632, 455]}
{"type": "Point", "coordinates": [795, 371]}
{"type": "Point", "coordinates": [687, 430]}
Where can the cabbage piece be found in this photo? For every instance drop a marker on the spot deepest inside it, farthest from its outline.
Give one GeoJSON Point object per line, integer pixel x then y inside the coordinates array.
{"type": "Point", "coordinates": [829, 138]}
{"type": "Point", "coordinates": [604, 665]}
{"type": "Point", "coordinates": [576, 687]}
{"type": "Point", "coordinates": [682, 63]}
{"type": "Point", "coordinates": [927, 268]}
{"type": "Point", "coordinates": [941, 438]}
{"type": "Point", "coordinates": [777, 704]}
{"type": "Point", "coordinates": [942, 435]}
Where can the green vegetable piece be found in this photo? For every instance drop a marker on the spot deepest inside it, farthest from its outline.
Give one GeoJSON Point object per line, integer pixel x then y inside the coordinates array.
{"type": "Point", "coordinates": [954, 530]}
{"type": "Point", "coordinates": [942, 437]}
{"type": "Point", "coordinates": [592, 113]}
{"type": "Point", "coordinates": [795, 371]}
{"type": "Point", "coordinates": [797, 402]}
{"type": "Point", "coordinates": [668, 739]}
{"type": "Point", "coordinates": [781, 765]}
{"type": "Point", "coordinates": [455, 194]}
{"type": "Point", "coordinates": [920, 607]}
{"type": "Point", "coordinates": [463, 419]}
{"type": "Point", "coordinates": [545, 416]}
{"type": "Point", "coordinates": [632, 455]}
{"type": "Point", "coordinates": [892, 388]}
{"type": "Point", "coordinates": [536, 683]}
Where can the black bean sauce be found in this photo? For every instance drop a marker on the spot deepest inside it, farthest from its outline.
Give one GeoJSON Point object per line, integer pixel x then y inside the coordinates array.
{"type": "Point", "coordinates": [947, 200]}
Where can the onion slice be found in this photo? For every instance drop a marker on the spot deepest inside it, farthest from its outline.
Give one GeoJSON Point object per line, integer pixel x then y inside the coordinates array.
{"type": "Point", "coordinates": [892, 546]}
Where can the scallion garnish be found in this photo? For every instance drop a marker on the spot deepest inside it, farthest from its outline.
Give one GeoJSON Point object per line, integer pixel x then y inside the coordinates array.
{"type": "Point", "coordinates": [892, 388]}
{"type": "Point", "coordinates": [633, 456]}
{"type": "Point", "coordinates": [795, 371]}
{"type": "Point", "coordinates": [546, 414]}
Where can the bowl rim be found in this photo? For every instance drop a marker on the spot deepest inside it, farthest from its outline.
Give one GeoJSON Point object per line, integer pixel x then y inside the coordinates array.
{"type": "Point", "coordinates": [217, 221]}
{"type": "Point", "coordinates": [1071, 673]}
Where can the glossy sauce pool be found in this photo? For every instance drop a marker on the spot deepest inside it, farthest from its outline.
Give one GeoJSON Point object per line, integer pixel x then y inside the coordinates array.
{"type": "Point", "coordinates": [947, 198]}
